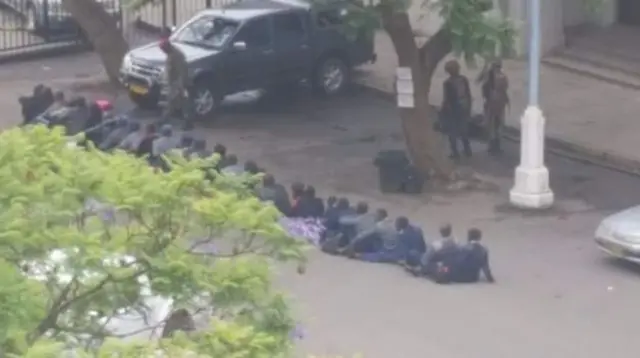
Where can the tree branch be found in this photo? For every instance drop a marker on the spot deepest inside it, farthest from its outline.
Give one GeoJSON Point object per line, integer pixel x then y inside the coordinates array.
{"type": "Point", "coordinates": [435, 49]}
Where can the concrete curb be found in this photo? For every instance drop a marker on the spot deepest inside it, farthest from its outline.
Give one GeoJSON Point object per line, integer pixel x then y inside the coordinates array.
{"type": "Point", "coordinates": [554, 146]}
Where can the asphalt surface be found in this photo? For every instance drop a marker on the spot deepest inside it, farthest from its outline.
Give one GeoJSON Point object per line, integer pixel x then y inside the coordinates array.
{"type": "Point", "coordinates": [556, 295]}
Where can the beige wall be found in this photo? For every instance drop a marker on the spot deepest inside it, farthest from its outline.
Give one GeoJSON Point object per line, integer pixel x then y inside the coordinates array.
{"type": "Point", "coordinates": [556, 16]}
{"type": "Point", "coordinates": [573, 12]}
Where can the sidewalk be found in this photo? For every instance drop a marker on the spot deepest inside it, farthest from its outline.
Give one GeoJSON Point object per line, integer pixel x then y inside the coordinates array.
{"type": "Point", "coordinates": [586, 118]}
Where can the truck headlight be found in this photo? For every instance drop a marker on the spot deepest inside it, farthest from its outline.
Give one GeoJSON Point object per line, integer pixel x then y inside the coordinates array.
{"type": "Point", "coordinates": [127, 63]}
{"type": "Point", "coordinates": [162, 75]}
{"type": "Point", "coordinates": [603, 231]}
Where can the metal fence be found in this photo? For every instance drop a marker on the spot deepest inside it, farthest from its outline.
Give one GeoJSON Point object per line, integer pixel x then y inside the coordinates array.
{"type": "Point", "coordinates": [167, 13]}
{"type": "Point", "coordinates": [29, 27]}
{"type": "Point", "coordinates": [36, 27]}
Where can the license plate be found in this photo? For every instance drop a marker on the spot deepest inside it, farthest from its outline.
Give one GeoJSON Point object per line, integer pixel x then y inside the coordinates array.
{"type": "Point", "coordinates": [138, 89]}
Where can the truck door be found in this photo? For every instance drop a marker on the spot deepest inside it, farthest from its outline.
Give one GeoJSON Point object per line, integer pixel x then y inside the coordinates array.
{"type": "Point", "coordinates": [249, 63]}
{"type": "Point", "coordinates": [291, 44]}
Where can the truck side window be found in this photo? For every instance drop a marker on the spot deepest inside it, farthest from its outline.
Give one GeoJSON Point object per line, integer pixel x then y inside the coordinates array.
{"type": "Point", "coordinates": [329, 18]}
{"type": "Point", "coordinates": [289, 28]}
{"type": "Point", "coordinates": [256, 33]}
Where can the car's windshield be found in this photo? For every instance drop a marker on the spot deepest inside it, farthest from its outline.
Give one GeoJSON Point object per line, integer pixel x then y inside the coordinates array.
{"type": "Point", "coordinates": [207, 31]}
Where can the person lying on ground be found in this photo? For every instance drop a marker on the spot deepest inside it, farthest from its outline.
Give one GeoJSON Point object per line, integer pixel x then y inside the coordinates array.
{"type": "Point", "coordinates": [221, 151]}
{"type": "Point", "coordinates": [54, 111]}
{"type": "Point", "coordinates": [72, 115]}
{"type": "Point", "coordinates": [200, 149]}
{"type": "Point", "coordinates": [93, 127]}
{"type": "Point", "coordinates": [59, 102]}
{"type": "Point", "coordinates": [145, 149]}
{"type": "Point", "coordinates": [251, 168]}
{"type": "Point", "coordinates": [186, 143]}
{"type": "Point", "coordinates": [116, 136]}
{"type": "Point", "coordinates": [165, 142]}
{"type": "Point", "coordinates": [32, 106]}
{"type": "Point", "coordinates": [162, 145]}
{"type": "Point", "coordinates": [411, 239]}
{"type": "Point", "coordinates": [232, 166]}
{"type": "Point", "coordinates": [77, 116]}
{"type": "Point", "coordinates": [275, 193]}
{"type": "Point", "coordinates": [132, 140]}
{"type": "Point", "coordinates": [473, 260]}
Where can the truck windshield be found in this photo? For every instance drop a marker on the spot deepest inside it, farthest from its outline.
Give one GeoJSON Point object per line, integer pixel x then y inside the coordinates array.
{"type": "Point", "coordinates": [207, 31]}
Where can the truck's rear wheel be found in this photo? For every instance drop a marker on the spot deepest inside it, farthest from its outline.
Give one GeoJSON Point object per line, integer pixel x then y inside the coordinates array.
{"type": "Point", "coordinates": [331, 76]}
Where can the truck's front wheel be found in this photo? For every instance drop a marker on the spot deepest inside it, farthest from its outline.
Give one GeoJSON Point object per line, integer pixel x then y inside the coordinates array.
{"type": "Point", "coordinates": [331, 76]}
{"type": "Point", "coordinates": [143, 102]}
{"type": "Point", "coordinates": [204, 100]}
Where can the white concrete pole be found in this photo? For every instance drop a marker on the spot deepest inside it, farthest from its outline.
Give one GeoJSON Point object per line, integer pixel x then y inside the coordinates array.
{"type": "Point", "coordinates": [531, 189]}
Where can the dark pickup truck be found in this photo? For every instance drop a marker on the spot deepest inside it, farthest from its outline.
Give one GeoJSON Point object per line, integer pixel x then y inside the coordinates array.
{"type": "Point", "coordinates": [253, 44]}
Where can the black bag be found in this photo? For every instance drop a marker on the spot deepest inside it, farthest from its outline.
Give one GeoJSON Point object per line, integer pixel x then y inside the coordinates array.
{"type": "Point", "coordinates": [414, 181]}
{"type": "Point", "coordinates": [392, 165]}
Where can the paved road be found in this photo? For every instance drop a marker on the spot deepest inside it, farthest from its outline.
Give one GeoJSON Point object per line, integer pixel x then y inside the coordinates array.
{"type": "Point", "coordinates": [556, 295]}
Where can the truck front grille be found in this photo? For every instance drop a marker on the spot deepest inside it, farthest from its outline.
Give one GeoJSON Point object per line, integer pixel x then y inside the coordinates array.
{"type": "Point", "coordinates": [145, 70]}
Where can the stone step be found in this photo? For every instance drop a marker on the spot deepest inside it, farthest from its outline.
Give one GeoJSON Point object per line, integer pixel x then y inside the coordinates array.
{"type": "Point", "coordinates": [585, 68]}
{"type": "Point", "coordinates": [604, 59]}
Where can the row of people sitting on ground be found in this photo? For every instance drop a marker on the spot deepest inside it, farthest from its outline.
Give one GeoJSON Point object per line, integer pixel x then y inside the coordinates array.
{"type": "Point", "coordinates": [337, 227]}
{"type": "Point", "coordinates": [355, 232]}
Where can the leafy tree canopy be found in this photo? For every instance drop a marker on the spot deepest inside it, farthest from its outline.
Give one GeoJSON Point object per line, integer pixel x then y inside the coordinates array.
{"type": "Point", "coordinates": [91, 242]}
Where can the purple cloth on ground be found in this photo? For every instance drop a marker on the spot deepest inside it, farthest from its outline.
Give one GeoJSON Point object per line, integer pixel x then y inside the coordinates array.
{"type": "Point", "coordinates": [307, 229]}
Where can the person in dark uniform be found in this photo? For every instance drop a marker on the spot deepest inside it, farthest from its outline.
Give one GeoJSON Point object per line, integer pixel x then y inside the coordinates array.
{"type": "Point", "coordinates": [473, 259]}
{"type": "Point", "coordinates": [455, 111]}
{"type": "Point", "coordinates": [411, 239]}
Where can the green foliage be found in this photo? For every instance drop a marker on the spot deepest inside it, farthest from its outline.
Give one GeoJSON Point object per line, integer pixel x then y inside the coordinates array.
{"type": "Point", "coordinates": [473, 32]}
{"type": "Point", "coordinates": [69, 270]}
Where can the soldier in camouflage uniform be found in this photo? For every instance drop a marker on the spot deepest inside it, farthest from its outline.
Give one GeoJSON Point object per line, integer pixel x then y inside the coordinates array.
{"type": "Point", "coordinates": [177, 77]}
{"type": "Point", "coordinates": [495, 86]}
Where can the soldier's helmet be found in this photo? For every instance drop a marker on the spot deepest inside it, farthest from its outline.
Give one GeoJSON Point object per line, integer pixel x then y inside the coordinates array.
{"type": "Point", "coordinates": [452, 67]}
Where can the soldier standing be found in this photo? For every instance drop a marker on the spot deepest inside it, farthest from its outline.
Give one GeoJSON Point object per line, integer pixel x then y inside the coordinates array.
{"type": "Point", "coordinates": [456, 109]}
{"type": "Point", "coordinates": [495, 86]}
{"type": "Point", "coordinates": [177, 77]}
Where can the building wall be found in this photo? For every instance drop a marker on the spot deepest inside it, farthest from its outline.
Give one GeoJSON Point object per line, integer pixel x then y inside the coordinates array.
{"type": "Point", "coordinates": [558, 15]}
{"type": "Point", "coordinates": [574, 13]}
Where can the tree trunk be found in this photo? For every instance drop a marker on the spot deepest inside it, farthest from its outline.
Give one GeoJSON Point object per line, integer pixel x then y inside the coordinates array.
{"type": "Point", "coordinates": [101, 29]}
{"type": "Point", "coordinates": [424, 143]}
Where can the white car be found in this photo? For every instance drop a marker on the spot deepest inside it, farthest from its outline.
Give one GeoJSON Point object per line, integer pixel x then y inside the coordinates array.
{"type": "Point", "coordinates": [126, 322]}
{"type": "Point", "coordinates": [619, 235]}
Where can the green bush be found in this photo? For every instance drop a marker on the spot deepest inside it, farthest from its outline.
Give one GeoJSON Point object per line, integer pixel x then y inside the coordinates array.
{"type": "Point", "coordinates": [69, 270]}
